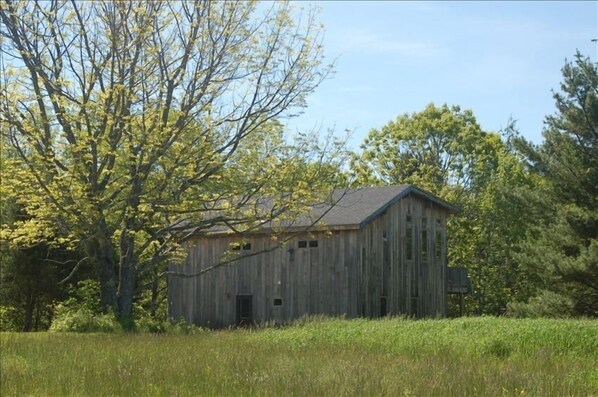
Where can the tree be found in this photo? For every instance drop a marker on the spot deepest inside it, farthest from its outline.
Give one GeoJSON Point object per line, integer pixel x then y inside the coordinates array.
{"type": "Point", "coordinates": [562, 251]}
{"type": "Point", "coordinates": [445, 151]}
{"type": "Point", "coordinates": [433, 149]}
{"type": "Point", "coordinates": [134, 120]}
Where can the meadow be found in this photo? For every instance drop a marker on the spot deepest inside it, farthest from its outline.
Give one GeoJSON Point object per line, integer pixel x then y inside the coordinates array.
{"type": "Point", "coordinates": [314, 357]}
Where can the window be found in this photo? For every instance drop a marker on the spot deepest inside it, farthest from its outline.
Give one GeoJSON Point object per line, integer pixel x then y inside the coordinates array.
{"type": "Point", "coordinates": [310, 243]}
{"type": "Point", "coordinates": [238, 246]}
{"type": "Point", "coordinates": [414, 281]}
{"type": "Point", "coordinates": [409, 241]}
{"type": "Point", "coordinates": [424, 244]}
{"type": "Point", "coordinates": [277, 302]}
{"type": "Point", "coordinates": [424, 239]}
{"type": "Point", "coordinates": [438, 246]}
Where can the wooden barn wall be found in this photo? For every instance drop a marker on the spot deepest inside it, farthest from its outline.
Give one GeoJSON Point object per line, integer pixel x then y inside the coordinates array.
{"type": "Point", "coordinates": [320, 280]}
{"type": "Point", "coordinates": [414, 286]}
{"type": "Point", "coordinates": [347, 274]}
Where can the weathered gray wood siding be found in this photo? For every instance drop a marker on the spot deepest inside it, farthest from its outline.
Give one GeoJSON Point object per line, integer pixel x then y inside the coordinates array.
{"type": "Point", "coordinates": [320, 280]}
{"type": "Point", "coordinates": [411, 284]}
{"type": "Point", "coordinates": [349, 273]}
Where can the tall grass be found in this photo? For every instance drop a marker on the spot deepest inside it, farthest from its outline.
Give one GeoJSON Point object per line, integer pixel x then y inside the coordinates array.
{"type": "Point", "coordinates": [398, 357]}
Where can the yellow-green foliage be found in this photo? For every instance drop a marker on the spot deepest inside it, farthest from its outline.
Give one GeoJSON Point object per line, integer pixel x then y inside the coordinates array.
{"type": "Point", "coordinates": [471, 356]}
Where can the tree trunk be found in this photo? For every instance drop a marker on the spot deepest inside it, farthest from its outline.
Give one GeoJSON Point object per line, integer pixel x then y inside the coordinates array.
{"type": "Point", "coordinates": [128, 260]}
{"type": "Point", "coordinates": [127, 276]}
{"type": "Point", "coordinates": [101, 253]}
{"type": "Point", "coordinates": [37, 314]}
{"type": "Point", "coordinates": [154, 301]}
{"type": "Point", "coordinates": [29, 308]}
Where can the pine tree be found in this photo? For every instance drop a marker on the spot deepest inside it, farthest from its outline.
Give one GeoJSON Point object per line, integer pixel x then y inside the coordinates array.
{"type": "Point", "coordinates": [563, 251]}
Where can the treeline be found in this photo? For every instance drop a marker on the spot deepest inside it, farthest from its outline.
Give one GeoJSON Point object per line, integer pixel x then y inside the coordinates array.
{"type": "Point", "coordinates": [123, 137]}
{"type": "Point", "coordinates": [528, 228]}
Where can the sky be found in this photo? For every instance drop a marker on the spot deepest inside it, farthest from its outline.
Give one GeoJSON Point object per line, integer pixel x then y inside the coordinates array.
{"type": "Point", "coordinates": [500, 59]}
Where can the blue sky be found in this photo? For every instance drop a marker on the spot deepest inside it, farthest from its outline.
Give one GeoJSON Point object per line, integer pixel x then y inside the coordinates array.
{"type": "Point", "coordinates": [500, 59]}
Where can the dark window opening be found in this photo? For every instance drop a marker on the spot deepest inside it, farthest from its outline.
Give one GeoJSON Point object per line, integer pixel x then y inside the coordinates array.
{"type": "Point", "coordinates": [313, 244]}
{"type": "Point", "coordinates": [385, 263]}
{"type": "Point", "coordinates": [414, 282]}
{"type": "Point", "coordinates": [383, 307]}
{"type": "Point", "coordinates": [424, 221]}
{"type": "Point", "coordinates": [277, 302]}
{"type": "Point", "coordinates": [424, 243]}
{"type": "Point", "coordinates": [409, 242]}
{"type": "Point", "coordinates": [246, 246]}
{"type": "Point", "coordinates": [409, 219]}
{"type": "Point", "coordinates": [438, 246]}
{"type": "Point", "coordinates": [236, 247]}
{"type": "Point", "coordinates": [302, 244]}
{"type": "Point", "coordinates": [438, 222]}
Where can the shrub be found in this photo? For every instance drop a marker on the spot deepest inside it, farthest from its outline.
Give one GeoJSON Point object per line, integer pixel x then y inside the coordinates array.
{"type": "Point", "coordinates": [546, 304]}
{"type": "Point", "coordinates": [81, 312]}
{"type": "Point", "coordinates": [70, 319]}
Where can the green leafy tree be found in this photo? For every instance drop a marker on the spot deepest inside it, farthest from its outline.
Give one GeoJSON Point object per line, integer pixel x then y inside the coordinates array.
{"type": "Point", "coordinates": [30, 274]}
{"type": "Point", "coordinates": [562, 251]}
{"type": "Point", "coordinates": [137, 122]}
{"type": "Point", "coordinates": [445, 151]}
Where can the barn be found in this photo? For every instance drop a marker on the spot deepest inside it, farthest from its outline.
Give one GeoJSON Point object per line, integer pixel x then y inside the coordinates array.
{"type": "Point", "coordinates": [377, 251]}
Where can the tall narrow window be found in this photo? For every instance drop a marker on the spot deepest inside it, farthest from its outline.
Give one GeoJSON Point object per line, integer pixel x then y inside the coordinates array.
{"type": "Point", "coordinates": [409, 236]}
{"type": "Point", "coordinates": [414, 281]}
{"type": "Point", "coordinates": [409, 242]}
{"type": "Point", "coordinates": [424, 244]}
{"type": "Point", "coordinates": [385, 263]}
{"type": "Point", "coordinates": [438, 246]}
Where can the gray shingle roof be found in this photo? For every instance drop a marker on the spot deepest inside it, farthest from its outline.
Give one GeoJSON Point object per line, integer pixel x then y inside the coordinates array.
{"type": "Point", "coordinates": [356, 207]}
{"type": "Point", "coordinates": [346, 209]}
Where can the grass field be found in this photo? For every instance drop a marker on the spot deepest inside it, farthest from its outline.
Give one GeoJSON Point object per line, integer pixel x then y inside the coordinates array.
{"type": "Point", "coordinates": [394, 357]}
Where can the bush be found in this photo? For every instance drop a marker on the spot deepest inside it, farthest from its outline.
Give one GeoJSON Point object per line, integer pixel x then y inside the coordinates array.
{"type": "Point", "coordinates": [9, 319]}
{"type": "Point", "coordinates": [81, 312]}
{"type": "Point", "coordinates": [546, 304]}
{"type": "Point", "coordinates": [83, 320]}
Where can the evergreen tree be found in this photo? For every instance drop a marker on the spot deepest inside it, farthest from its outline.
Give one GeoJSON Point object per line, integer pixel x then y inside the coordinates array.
{"type": "Point", "coordinates": [562, 252]}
